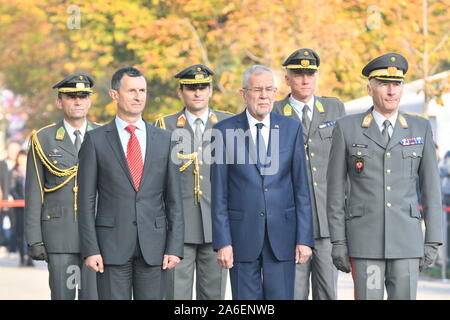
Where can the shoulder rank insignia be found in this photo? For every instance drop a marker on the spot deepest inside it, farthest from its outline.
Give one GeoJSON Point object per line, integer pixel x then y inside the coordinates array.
{"type": "Point", "coordinates": [411, 141]}
{"type": "Point", "coordinates": [367, 121]}
{"type": "Point", "coordinates": [213, 118]}
{"type": "Point", "coordinates": [319, 106]}
{"type": "Point", "coordinates": [287, 110]}
{"type": "Point", "coordinates": [181, 121]}
{"type": "Point", "coordinates": [402, 121]}
{"type": "Point", "coordinates": [60, 133]}
{"type": "Point", "coordinates": [327, 124]}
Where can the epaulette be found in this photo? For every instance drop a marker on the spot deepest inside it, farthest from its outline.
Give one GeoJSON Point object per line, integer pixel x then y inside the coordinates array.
{"type": "Point", "coordinates": [227, 112]}
{"type": "Point", "coordinates": [48, 126]}
{"type": "Point", "coordinates": [420, 115]}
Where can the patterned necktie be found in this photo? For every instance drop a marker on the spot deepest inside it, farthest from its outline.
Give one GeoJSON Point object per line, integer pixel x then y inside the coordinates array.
{"type": "Point", "coordinates": [305, 119]}
{"type": "Point", "coordinates": [385, 132]}
{"type": "Point", "coordinates": [134, 157]}
{"type": "Point", "coordinates": [77, 134]}
{"type": "Point", "coordinates": [260, 146]}
{"type": "Point", "coordinates": [198, 135]}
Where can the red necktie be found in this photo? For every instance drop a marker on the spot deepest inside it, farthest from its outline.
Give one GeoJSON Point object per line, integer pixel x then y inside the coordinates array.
{"type": "Point", "coordinates": [134, 157]}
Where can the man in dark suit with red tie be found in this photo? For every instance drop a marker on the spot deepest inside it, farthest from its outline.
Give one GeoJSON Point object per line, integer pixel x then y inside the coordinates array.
{"type": "Point", "coordinates": [130, 212]}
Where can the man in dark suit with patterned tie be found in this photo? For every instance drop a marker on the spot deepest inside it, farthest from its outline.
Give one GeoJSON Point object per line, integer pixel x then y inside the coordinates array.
{"type": "Point", "coordinates": [130, 212]}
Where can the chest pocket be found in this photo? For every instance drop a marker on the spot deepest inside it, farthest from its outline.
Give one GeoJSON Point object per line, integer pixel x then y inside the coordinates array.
{"type": "Point", "coordinates": [326, 133]}
{"type": "Point", "coordinates": [358, 155]}
{"type": "Point", "coordinates": [412, 156]}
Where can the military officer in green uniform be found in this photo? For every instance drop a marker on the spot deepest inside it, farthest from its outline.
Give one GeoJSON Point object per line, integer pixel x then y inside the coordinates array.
{"type": "Point", "coordinates": [318, 116]}
{"type": "Point", "coordinates": [191, 129]}
{"type": "Point", "coordinates": [51, 190]}
{"type": "Point", "coordinates": [377, 232]}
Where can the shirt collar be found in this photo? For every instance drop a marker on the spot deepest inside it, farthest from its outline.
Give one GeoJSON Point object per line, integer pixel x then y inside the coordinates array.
{"type": "Point", "coordinates": [191, 117]}
{"type": "Point", "coordinates": [71, 129]}
{"type": "Point", "coordinates": [379, 118]}
{"type": "Point", "coordinates": [121, 124]}
{"type": "Point", "coordinates": [252, 121]}
{"type": "Point", "coordinates": [298, 105]}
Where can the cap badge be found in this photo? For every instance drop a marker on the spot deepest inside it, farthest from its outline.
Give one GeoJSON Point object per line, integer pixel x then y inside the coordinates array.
{"type": "Point", "coordinates": [392, 71]}
{"type": "Point", "coordinates": [304, 63]}
{"type": "Point", "coordinates": [306, 53]}
{"type": "Point", "coordinates": [80, 85]}
{"type": "Point", "coordinates": [199, 77]}
{"type": "Point", "coordinates": [393, 59]}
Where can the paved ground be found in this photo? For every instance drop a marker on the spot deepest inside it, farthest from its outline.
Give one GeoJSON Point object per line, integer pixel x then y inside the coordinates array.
{"type": "Point", "coordinates": [31, 283]}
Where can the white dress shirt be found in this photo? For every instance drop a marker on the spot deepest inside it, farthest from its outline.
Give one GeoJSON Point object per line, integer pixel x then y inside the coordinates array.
{"type": "Point", "coordinates": [71, 131]}
{"type": "Point", "coordinates": [191, 119]}
{"type": "Point", "coordinates": [379, 119]}
{"type": "Point", "coordinates": [124, 135]}
{"type": "Point", "coordinates": [298, 107]}
{"type": "Point", "coordinates": [265, 130]}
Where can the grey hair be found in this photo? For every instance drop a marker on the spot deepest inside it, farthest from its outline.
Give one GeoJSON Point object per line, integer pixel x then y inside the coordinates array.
{"type": "Point", "coordinates": [255, 69]}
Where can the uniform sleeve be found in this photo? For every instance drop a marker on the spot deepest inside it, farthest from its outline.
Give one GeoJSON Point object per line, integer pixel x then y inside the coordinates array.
{"type": "Point", "coordinates": [430, 190]}
{"type": "Point", "coordinates": [336, 185]}
{"type": "Point", "coordinates": [174, 208]}
{"type": "Point", "coordinates": [34, 184]}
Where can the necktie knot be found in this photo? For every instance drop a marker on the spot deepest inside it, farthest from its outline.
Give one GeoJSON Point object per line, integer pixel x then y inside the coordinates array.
{"type": "Point", "coordinates": [259, 125]}
{"type": "Point", "coordinates": [77, 134]}
{"type": "Point", "coordinates": [385, 132]}
{"type": "Point", "coordinates": [198, 121]}
{"type": "Point", "coordinates": [131, 128]}
{"type": "Point", "coordinates": [386, 123]}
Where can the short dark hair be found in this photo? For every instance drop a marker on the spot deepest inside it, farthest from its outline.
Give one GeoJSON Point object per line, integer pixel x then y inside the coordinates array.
{"type": "Point", "coordinates": [118, 75]}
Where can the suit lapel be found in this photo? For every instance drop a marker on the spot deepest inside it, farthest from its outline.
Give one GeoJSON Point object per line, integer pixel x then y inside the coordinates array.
{"type": "Point", "coordinates": [250, 147]}
{"type": "Point", "coordinates": [373, 132]}
{"type": "Point", "coordinates": [317, 119]}
{"type": "Point", "coordinates": [112, 135]}
{"type": "Point", "coordinates": [148, 154]}
{"type": "Point", "coordinates": [65, 143]}
{"type": "Point", "coordinates": [398, 134]}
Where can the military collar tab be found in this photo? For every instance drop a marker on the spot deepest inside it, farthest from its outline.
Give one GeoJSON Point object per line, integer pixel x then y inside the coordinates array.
{"type": "Point", "coordinates": [367, 120]}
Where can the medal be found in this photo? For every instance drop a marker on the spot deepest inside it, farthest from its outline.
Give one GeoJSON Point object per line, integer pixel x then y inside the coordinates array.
{"type": "Point", "coordinates": [359, 165]}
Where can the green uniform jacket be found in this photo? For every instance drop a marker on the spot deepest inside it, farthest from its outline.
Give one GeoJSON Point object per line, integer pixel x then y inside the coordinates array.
{"type": "Point", "coordinates": [381, 218]}
{"type": "Point", "coordinates": [52, 221]}
{"type": "Point", "coordinates": [197, 217]}
{"type": "Point", "coordinates": [318, 144]}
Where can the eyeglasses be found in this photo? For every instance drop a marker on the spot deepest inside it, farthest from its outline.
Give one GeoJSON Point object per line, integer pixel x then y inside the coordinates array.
{"type": "Point", "coordinates": [259, 90]}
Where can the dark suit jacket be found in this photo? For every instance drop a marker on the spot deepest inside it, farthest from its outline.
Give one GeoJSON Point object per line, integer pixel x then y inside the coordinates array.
{"type": "Point", "coordinates": [243, 199]}
{"type": "Point", "coordinates": [154, 213]}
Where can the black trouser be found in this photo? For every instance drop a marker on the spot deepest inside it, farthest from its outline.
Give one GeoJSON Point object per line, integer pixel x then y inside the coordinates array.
{"type": "Point", "coordinates": [135, 279]}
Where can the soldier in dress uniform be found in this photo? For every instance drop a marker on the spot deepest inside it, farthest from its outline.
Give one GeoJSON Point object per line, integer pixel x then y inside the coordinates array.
{"type": "Point", "coordinates": [376, 232]}
{"type": "Point", "coordinates": [51, 190]}
{"type": "Point", "coordinates": [318, 116]}
{"type": "Point", "coordinates": [191, 129]}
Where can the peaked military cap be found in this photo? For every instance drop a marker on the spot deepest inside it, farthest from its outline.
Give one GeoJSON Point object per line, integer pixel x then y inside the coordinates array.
{"type": "Point", "coordinates": [194, 75]}
{"type": "Point", "coordinates": [76, 84]}
{"type": "Point", "coordinates": [305, 58]}
{"type": "Point", "coordinates": [389, 66]}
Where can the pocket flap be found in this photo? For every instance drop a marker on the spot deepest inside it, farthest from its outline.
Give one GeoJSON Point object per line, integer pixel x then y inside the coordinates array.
{"type": "Point", "coordinates": [105, 221]}
{"type": "Point", "coordinates": [415, 213]}
{"type": "Point", "coordinates": [50, 213]}
{"type": "Point", "coordinates": [412, 152]}
{"type": "Point", "coordinates": [326, 132]}
{"type": "Point", "coordinates": [356, 210]}
{"type": "Point", "coordinates": [361, 153]}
